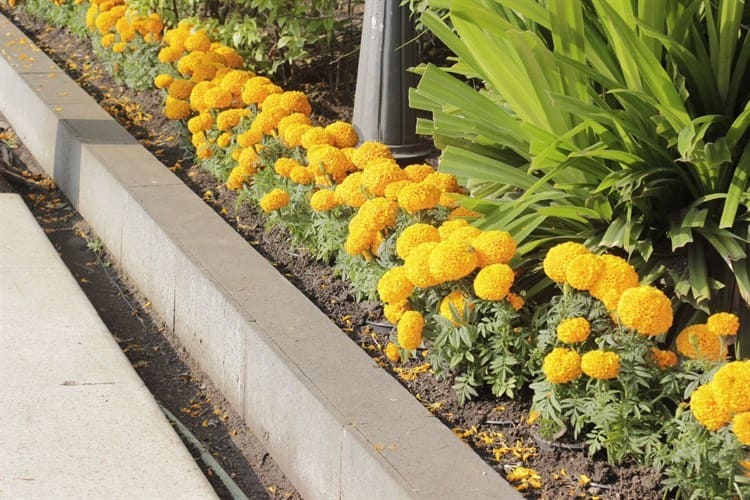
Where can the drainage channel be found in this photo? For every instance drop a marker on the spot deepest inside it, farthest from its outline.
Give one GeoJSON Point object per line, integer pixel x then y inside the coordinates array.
{"type": "Point", "coordinates": [234, 461]}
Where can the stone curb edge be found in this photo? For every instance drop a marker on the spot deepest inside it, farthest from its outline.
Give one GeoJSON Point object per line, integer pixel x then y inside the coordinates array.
{"type": "Point", "coordinates": [337, 424]}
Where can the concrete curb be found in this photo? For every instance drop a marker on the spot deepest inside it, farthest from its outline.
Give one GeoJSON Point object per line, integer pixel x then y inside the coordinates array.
{"type": "Point", "coordinates": [337, 424]}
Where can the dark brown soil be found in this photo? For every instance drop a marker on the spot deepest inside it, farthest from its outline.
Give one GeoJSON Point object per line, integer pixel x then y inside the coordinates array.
{"type": "Point", "coordinates": [500, 425]}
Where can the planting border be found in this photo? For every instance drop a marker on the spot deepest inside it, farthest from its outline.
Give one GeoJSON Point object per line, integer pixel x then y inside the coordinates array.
{"type": "Point", "coordinates": [337, 424]}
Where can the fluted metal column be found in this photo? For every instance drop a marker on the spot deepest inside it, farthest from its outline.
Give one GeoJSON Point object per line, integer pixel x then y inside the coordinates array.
{"type": "Point", "coordinates": [381, 99]}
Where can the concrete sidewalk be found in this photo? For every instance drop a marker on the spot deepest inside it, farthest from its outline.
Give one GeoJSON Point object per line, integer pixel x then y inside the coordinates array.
{"type": "Point", "coordinates": [75, 419]}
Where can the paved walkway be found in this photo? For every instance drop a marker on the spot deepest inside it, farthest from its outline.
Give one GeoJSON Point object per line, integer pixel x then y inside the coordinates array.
{"type": "Point", "coordinates": [75, 419]}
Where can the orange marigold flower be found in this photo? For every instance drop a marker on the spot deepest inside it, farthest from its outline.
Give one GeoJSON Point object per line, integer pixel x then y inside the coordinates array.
{"type": "Point", "coordinates": [418, 172]}
{"type": "Point", "coordinates": [344, 135]}
{"type": "Point", "coordinates": [394, 188]}
{"type": "Point", "coordinates": [723, 323]}
{"type": "Point", "coordinates": [169, 55]}
{"type": "Point", "coordinates": [417, 196]}
{"type": "Point", "coordinates": [465, 234]}
{"type": "Point", "coordinates": [616, 277]}
{"type": "Point", "coordinates": [248, 160]}
{"type": "Point", "coordinates": [494, 247]}
{"type": "Point", "coordinates": [349, 192]}
{"type": "Point", "coordinates": [176, 109]}
{"type": "Point", "coordinates": [234, 80]}
{"type": "Point", "coordinates": [601, 365]}
{"type": "Point", "coordinates": [369, 151]}
{"type": "Point", "coordinates": [236, 179]}
{"type": "Point", "coordinates": [515, 301]}
{"type": "Point", "coordinates": [315, 136]}
{"type": "Point", "coordinates": [301, 175]}
{"type": "Point", "coordinates": [645, 309]}
{"type": "Point", "coordinates": [323, 200]}
{"type": "Point", "coordinates": [417, 265]}
{"type": "Point", "coordinates": [583, 271]}
{"type": "Point", "coordinates": [224, 140]}
{"type": "Point", "coordinates": [217, 98]}
{"type": "Point", "coordinates": [572, 330]}
{"type": "Point", "coordinates": [249, 137]}
{"type": "Point", "coordinates": [229, 56]}
{"type": "Point", "coordinates": [392, 352]}
{"type": "Point", "coordinates": [706, 410]}
{"type": "Point", "coordinates": [162, 81]}
{"type": "Point", "coordinates": [294, 101]}
{"type": "Point", "coordinates": [198, 41]}
{"type": "Point", "coordinates": [293, 119]}
{"type": "Point", "coordinates": [452, 260]}
{"type": "Point", "coordinates": [731, 386]}
{"type": "Point", "coordinates": [559, 256]}
{"type": "Point", "coordinates": [562, 365]}
{"type": "Point", "coordinates": [394, 285]}
{"type": "Point", "coordinates": [378, 214]}
{"type": "Point", "coordinates": [180, 89]}
{"type": "Point", "coordinates": [283, 166]}
{"type": "Point", "coordinates": [493, 282]}
{"type": "Point", "coordinates": [446, 228]}
{"type": "Point", "coordinates": [446, 183]}
{"type": "Point", "coordinates": [663, 359]}
{"type": "Point", "coordinates": [230, 118]}
{"type": "Point", "coordinates": [696, 342]}
{"type": "Point", "coordinates": [326, 159]}
{"type": "Point", "coordinates": [455, 301]}
{"type": "Point", "coordinates": [358, 240]}
{"type": "Point", "coordinates": [409, 330]}
{"type": "Point", "coordinates": [395, 310]}
{"type": "Point", "coordinates": [276, 199]}
{"type": "Point", "coordinates": [200, 123]}
{"type": "Point", "coordinates": [741, 427]}
{"type": "Point", "coordinates": [204, 152]}
{"type": "Point", "coordinates": [380, 172]}
{"type": "Point", "coordinates": [292, 135]}
{"type": "Point", "coordinates": [415, 235]}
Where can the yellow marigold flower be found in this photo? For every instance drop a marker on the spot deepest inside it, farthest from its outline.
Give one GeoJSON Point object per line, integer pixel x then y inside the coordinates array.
{"type": "Point", "coordinates": [723, 323]}
{"type": "Point", "coordinates": [415, 235]}
{"type": "Point", "coordinates": [349, 192]}
{"type": "Point", "coordinates": [392, 352]}
{"type": "Point", "coordinates": [559, 256]}
{"type": "Point", "coordinates": [180, 89]}
{"type": "Point", "coordinates": [198, 41]}
{"type": "Point", "coordinates": [418, 196]}
{"type": "Point", "coordinates": [108, 40]}
{"type": "Point", "coordinates": [663, 359]}
{"type": "Point", "coordinates": [329, 160]}
{"type": "Point", "coordinates": [380, 172]}
{"type": "Point", "coordinates": [162, 81]}
{"type": "Point", "coordinates": [601, 365]}
{"type": "Point", "coordinates": [176, 109]}
{"type": "Point", "coordinates": [256, 89]}
{"type": "Point", "coordinates": [233, 81]}
{"type": "Point", "coordinates": [417, 172]}
{"type": "Point", "coordinates": [515, 301]}
{"type": "Point", "coordinates": [409, 330]}
{"type": "Point", "coordinates": [706, 410]}
{"type": "Point", "coordinates": [731, 386]}
{"type": "Point", "coordinates": [394, 188]}
{"type": "Point", "coordinates": [369, 151]}
{"type": "Point", "coordinates": [283, 166]}
{"type": "Point", "coordinates": [562, 365]}
{"type": "Point", "coordinates": [314, 136]}
{"type": "Point", "coordinates": [197, 96]}
{"type": "Point", "coordinates": [417, 265]}
{"type": "Point", "coordinates": [230, 118]}
{"type": "Point", "coordinates": [458, 301]}
{"type": "Point", "coordinates": [200, 123]}
{"type": "Point", "coordinates": [583, 271]}
{"type": "Point", "coordinates": [696, 342]}
{"type": "Point", "coordinates": [198, 139]}
{"type": "Point", "coordinates": [292, 136]}
{"type": "Point", "coordinates": [741, 427]}
{"type": "Point", "coordinates": [293, 119]}
{"type": "Point", "coordinates": [395, 310]}
{"type": "Point", "coordinates": [91, 14]}
{"type": "Point", "coordinates": [616, 277]}
{"type": "Point", "coordinates": [230, 56]}
{"type": "Point", "coordinates": [217, 98]}
{"type": "Point", "coordinates": [446, 183]}
{"type": "Point", "coordinates": [249, 137]}
{"type": "Point", "coordinates": [119, 47]}
{"type": "Point", "coordinates": [645, 309]}
{"type": "Point", "coordinates": [204, 152]}
{"type": "Point", "coordinates": [323, 200]}
{"type": "Point", "coordinates": [295, 101]}
{"type": "Point", "coordinates": [494, 247]}
{"type": "Point", "coordinates": [452, 260]}
{"type": "Point", "coordinates": [224, 140]}
{"type": "Point", "coordinates": [493, 282]}
{"type": "Point", "coordinates": [377, 241]}
{"type": "Point", "coordinates": [466, 234]}
{"type": "Point", "coordinates": [378, 213]}
{"type": "Point", "coordinates": [446, 228]}
{"type": "Point", "coordinates": [301, 175]}
{"type": "Point", "coordinates": [358, 240]}
{"type": "Point", "coordinates": [276, 199]}
{"type": "Point", "coordinates": [344, 135]}
{"type": "Point", "coordinates": [236, 179]}
{"type": "Point", "coordinates": [449, 200]}
{"type": "Point", "coordinates": [394, 285]}
{"type": "Point", "coordinates": [267, 120]}
{"type": "Point", "coordinates": [573, 330]}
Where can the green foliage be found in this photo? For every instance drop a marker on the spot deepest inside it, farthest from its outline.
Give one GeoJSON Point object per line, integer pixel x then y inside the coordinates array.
{"type": "Point", "coordinates": [63, 15]}
{"type": "Point", "coordinates": [621, 125]}
{"type": "Point", "coordinates": [136, 66]}
{"type": "Point", "coordinates": [699, 463]}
